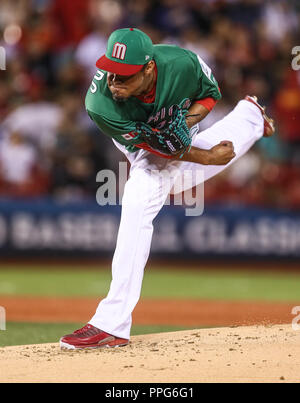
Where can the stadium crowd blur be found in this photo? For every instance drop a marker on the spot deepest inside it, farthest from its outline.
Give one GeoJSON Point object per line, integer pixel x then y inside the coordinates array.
{"type": "Point", "coordinates": [48, 145]}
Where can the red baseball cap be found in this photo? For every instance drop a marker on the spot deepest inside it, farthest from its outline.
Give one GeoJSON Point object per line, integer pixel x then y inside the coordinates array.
{"type": "Point", "coordinates": [128, 50]}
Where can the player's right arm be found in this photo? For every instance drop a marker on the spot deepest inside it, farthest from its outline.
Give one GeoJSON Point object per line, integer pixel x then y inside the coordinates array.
{"type": "Point", "coordinates": [220, 154]}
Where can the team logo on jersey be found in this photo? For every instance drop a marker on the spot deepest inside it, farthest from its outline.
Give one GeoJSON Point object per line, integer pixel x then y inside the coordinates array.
{"type": "Point", "coordinates": [119, 50]}
{"type": "Point", "coordinates": [128, 136]}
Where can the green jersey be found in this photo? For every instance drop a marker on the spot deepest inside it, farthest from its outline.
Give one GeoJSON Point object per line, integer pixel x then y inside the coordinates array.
{"type": "Point", "coordinates": [180, 74]}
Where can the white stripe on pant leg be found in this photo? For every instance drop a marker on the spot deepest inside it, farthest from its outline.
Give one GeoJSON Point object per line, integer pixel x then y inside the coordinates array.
{"type": "Point", "coordinates": [144, 196]}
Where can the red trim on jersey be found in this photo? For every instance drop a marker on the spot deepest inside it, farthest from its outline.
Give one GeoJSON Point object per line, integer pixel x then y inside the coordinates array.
{"type": "Point", "coordinates": [208, 103]}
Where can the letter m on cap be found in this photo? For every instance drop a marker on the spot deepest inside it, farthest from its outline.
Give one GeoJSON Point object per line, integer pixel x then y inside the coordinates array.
{"type": "Point", "coordinates": [119, 50]}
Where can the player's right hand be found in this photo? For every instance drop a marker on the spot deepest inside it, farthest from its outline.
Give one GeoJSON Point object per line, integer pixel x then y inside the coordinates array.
{"type": "Point", "coordinates": [222, 153]}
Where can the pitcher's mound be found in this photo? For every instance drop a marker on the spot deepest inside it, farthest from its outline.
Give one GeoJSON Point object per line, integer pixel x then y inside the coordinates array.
{"type": "Point", "coordinates": [238, 354]}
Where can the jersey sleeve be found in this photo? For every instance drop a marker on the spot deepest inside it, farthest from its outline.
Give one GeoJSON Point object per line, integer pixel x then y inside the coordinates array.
{"type": "Point", "coordinates": [208, 86]}
{"type": "Point", "coordinates": [111, 127]}
{"type": "Point", "coordinates": [122, 132]}
{"type": "Point", "coordinates": [117, 131]}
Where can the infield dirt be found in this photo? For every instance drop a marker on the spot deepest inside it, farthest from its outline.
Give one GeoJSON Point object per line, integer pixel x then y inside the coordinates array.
{"type": "Point", "coordinates": [180, 312]}
{"type": "Point", "coordinates": [236, 354]}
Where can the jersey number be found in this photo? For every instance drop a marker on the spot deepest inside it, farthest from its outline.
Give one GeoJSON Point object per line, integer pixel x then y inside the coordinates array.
{"type": "Point", "coordinates": [98, 76]}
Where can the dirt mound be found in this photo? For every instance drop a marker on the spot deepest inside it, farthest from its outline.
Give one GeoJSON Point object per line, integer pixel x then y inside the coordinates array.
{"type": "Point", "coordinates": [237, 354]}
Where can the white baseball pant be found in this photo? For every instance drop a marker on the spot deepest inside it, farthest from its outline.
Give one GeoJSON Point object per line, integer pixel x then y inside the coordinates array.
{"type": "Point", "coordinates": [144, 196]}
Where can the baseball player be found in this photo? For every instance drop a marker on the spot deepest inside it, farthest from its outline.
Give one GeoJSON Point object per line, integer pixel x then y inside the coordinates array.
{"type": "Point", "coordinates": [149, 99]}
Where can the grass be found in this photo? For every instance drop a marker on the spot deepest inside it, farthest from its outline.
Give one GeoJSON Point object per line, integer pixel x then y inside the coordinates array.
{"type": "Point", "coordinates": [158, 283]}
{"type": "Point", "coordinates": [17, 333]}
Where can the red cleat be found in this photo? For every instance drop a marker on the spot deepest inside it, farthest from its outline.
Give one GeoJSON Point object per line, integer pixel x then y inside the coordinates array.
{"type": "Point", "coordinates": [269, 127]}
{"type": "Point", "coordinates": [90, 337]}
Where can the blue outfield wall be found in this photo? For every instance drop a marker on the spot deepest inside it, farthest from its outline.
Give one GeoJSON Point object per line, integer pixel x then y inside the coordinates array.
{"type": "Point", "coordinates": [46, 228]}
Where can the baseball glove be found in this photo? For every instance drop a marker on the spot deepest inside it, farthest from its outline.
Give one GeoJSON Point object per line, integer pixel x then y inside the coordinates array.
{"type": "Point", "coordinates": [172, 140]}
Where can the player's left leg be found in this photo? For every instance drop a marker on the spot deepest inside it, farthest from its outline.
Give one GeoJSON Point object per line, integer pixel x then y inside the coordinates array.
{"type": "Point", "coordinates": [144, 195]}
